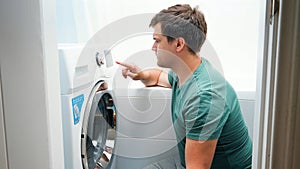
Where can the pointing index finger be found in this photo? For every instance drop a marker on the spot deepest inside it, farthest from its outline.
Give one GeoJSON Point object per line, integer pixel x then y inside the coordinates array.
{"type": "Point", "coordinates": [124, 64]}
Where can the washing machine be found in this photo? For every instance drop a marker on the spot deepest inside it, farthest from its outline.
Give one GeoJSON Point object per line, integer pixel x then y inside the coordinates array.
{"type": "Point", "coordinates": [109, 121]}
{"type": "Point", "coordinates": [88, 111]}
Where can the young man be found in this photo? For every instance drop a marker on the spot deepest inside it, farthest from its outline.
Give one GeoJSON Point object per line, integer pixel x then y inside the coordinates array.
{"type": "Point", "coordinates": [206, 115]}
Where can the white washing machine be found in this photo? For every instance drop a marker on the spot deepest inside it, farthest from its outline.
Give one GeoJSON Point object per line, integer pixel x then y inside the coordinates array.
{"type": "Point", "coordinates": [119, 127]}
{"type": "Point", "coordinates": [88, 115]}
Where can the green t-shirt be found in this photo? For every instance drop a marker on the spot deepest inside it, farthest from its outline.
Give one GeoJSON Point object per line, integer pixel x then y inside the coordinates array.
{"type": "Point", "coordinates": [206, 107]}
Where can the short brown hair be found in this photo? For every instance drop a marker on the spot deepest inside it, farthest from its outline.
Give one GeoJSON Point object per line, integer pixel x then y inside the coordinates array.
{"type": "Point", "coordinates": [182, 21]}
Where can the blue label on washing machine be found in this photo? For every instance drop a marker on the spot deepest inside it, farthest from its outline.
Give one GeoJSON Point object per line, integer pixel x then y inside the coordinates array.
{"type": "Point", "coordinates": [76, 106]}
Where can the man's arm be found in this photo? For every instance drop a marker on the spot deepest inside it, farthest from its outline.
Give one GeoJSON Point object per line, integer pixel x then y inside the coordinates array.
{"type": "Point", "coordinates": [150, 77]}
{"type": "Point", "coordinates": [199, 154]}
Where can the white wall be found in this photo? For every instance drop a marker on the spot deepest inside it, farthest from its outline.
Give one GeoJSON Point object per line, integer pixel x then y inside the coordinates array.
{"type": "Point", "coordinates": [30, 86]}
{"type": "Point", "coordinates": [232, 29]}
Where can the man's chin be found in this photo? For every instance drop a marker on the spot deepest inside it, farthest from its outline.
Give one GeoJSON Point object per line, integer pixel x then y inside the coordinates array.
{"type": "Point", "coordinates": [159, 64]}
{"type": "Point", "coordinates": [162, 65]}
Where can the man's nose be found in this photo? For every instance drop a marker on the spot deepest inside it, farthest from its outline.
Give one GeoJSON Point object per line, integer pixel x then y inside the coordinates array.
{"type": "Point", "coordinates": [154, 46]}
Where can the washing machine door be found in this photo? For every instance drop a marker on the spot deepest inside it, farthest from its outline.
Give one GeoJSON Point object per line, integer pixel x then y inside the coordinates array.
{"type": "Point", "coordinates": [98, 131]}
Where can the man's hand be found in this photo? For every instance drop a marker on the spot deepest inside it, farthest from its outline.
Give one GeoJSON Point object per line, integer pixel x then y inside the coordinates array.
{"type": "Point", "coordinates": [130, 70]}
{"type": "Point", "coordinates": [149, 77]}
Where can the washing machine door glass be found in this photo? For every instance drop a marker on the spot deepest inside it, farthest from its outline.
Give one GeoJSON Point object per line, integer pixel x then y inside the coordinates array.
{"type": "Point", "coordinates": [98, 140]}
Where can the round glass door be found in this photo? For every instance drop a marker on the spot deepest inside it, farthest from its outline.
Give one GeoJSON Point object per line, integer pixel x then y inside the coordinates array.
{"type": "Point", "coordinates": [99, 132]}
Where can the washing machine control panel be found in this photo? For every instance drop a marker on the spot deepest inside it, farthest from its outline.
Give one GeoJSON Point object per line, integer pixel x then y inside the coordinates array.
{"type": "Point", "coordinates": [103, 57]}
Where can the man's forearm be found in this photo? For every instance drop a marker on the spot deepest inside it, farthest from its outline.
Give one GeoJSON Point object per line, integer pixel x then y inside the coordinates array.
{"type": "Point", "coordinates": [149, 77]}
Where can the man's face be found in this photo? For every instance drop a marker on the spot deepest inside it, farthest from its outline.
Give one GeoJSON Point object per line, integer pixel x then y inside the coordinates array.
{"type": "Point", "coordinates": [164, 50]}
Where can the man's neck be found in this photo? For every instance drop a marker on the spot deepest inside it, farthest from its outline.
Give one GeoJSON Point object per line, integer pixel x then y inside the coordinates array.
{"type": "Point", "coordinates": [186, 67]}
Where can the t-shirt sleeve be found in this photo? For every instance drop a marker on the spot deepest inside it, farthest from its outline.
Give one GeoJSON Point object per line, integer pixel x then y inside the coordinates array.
{"type": "Point", "coordinates": [205, 116]}
{"type": "Point", "coordinates": [171, 77]}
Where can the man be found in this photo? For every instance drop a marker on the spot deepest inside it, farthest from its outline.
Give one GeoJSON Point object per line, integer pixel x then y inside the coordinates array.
{"type": "Point", "coordinates": [206, 115]}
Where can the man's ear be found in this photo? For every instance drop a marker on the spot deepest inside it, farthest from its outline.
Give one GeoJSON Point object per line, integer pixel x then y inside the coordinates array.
{"type": "Point", "coordinates": [180, 43]}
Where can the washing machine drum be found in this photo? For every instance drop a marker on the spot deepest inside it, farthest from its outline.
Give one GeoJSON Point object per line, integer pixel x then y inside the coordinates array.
{"type": "Point", "coordinates": [99, 132]}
